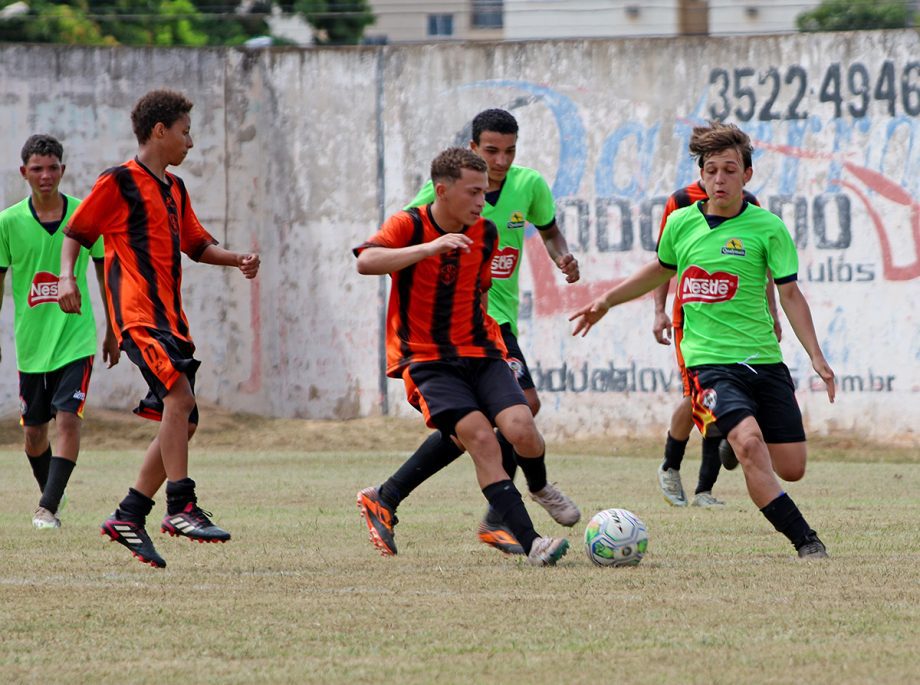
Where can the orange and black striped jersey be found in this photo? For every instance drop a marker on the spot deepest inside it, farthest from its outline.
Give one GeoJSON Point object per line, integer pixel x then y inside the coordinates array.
{"type": "Point", "coordinates": [685, 197]}
{"type": "Point", "coordinates": [437, 305]}
{"type": "Point", "coordinates": [146, 224]}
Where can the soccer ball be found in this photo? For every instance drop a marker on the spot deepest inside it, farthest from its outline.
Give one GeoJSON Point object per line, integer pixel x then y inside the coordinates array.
{"type": "Point", "coordinates": [615, 537]}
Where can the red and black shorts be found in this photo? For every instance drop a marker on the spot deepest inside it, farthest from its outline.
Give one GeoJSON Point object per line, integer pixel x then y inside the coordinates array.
{"type": "Point", "coordinates": [162, 358]}
{"type": "Point", "coordinates": [723, 395]}
{"type": "Point", "coordinates": [43, 395]}
{"type": "Point", "coordinates": [445, 391]}
{"type": "Point", "coordinates": [516, 358]}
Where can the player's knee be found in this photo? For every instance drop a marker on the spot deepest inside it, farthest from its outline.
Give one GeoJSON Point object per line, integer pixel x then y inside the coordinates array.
{"type": "Point", "coordinates": [36, 438]}
{"type": "Point", "coordinates": [790, 472]}
{"type": "Point", "coordinates": [750, 448]}
{"type": "Point", "coordinates": [479, 440]}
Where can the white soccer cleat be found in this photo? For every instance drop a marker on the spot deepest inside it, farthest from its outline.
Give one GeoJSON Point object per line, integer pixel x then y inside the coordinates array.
{"type": "Point", "coordinates": [706, 500]}
{"type": "Point", "coordinates": [671, 487]}
{"type": "Point", "coordinates": [44, 519]}
{"type": "Point", "coordinates": [547, 551]}
{"type": "Point", "coordinates": [557, 504]}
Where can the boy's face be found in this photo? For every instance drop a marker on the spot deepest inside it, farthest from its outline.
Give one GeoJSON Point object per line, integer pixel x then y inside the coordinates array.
{"type": "Point", "coordinates": [43, 174]}
{"type": "Point", "coordinates": [464, 198]}
{"type": "Point", "coordinates": [723, 175]}
{"type": "Point", "coordinates": [498, 149]}
{"type": "Point", "coordinates": [175, 141]}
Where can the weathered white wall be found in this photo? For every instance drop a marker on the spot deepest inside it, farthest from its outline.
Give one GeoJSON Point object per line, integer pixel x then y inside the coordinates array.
{"type": "Point", "coordinates": [288, 146]}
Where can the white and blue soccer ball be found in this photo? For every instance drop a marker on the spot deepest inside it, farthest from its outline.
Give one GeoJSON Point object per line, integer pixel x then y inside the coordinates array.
{"type": "Point", "coordinates": [616, 537]}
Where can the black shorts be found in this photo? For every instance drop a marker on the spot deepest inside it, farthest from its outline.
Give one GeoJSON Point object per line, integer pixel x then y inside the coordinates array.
{"type": "Point", "coordinates": [161, 357]}
{"type": "Point", "coordinates": [725, 394]}
{"type": "Point", "coordinates": [43, 395]}
{"type": "Point", "coordinates": [516, 358]}
{"type": "Point", "coordinates": [446, 391]}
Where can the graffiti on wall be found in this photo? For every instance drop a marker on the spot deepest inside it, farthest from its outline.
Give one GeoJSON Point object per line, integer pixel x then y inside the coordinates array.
{"type": "Point", "coordinates": [855, 129]}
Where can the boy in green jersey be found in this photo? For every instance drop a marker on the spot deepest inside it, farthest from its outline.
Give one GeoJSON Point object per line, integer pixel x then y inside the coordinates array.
{"type": "Point", "coordinates": [721, 249]}
{"type": "Point", "coordinates": [516, 195]}
{"type": "Point", "coordinates": [54, 350]}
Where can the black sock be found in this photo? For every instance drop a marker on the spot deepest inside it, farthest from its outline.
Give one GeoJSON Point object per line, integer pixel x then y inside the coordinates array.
{"type": "Point", "coordinates": [40, 466]}
{"type": "Point", "coordinates": [431, 456]}
{"type": "Point", "coordinates": [674, 453]}
{"type": "Point", "coordinates": [788, 520]}
{"type": "Point", "coordinates": [58, 474]}
{"type": "Point", "coordinates": [709, 467]}
{"type": "Point", "coordinates": [134, 507]}
{"type": "Point", "coordinates": [534, 470]}
{"type": "Point", "coordinates": [506, 501]}
{"type": "Point", "coordinates": [178, 494]}
{"type": "Point", "coordinates": [509, 458]}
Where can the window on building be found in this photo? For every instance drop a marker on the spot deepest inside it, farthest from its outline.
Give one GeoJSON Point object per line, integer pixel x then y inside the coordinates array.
{"type": "Point", "coordinates": [440, 24]}
{"type": "Point", "coordinates": [488, 14]}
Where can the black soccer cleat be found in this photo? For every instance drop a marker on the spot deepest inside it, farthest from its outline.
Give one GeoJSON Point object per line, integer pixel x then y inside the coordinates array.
{"type": "Point", "coordinates": [727, 455]}
{"type": "Point", "coordinates": [193, 523]}
{"type": "Point", "coordinates": [812, 547]}
{"type": "Point", "coordinates": [135, 538]}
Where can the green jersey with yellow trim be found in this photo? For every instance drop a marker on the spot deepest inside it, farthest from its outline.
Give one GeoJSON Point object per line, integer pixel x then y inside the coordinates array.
{"type": "Point", "coordinates": [721, 281]}
{"type": "Point", "coordinates": [46, 338]}
{"type": "Point", "coordinates": [524, 197]}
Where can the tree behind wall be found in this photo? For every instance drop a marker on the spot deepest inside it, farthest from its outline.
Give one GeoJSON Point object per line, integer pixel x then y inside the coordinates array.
{"type": "Point", "coordinates": [337, 22]}
{"type": "Point", "coordinates": [854, 15]}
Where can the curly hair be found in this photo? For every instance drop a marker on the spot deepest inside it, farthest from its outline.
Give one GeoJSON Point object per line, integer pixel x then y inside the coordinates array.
{"type": "Point", "coordinates": [158, 106]}
{"type": "Point", "coordinates": [497, 120]}
{"type": "Point", "coordinates": [448, 166]}
{"type": "Point", "coordinates": [716, 137]}
{"type": "Point", "coordinates": [42, 144]}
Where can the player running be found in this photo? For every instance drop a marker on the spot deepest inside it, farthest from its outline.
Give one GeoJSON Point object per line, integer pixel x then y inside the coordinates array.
{"type": "Point", "coordinates": [147, 219]}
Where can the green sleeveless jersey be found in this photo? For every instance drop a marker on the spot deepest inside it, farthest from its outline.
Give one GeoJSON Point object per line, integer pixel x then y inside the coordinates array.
{"type": "Point", "coordinates": [524, 196]}
{"type": "Point", "coordinates": [46, 337]}
{"type": "Point", "coordinates": [721, 280]}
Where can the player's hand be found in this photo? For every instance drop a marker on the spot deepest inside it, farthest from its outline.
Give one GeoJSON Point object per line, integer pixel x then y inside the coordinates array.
{"type": "Point", "coordinates": [68, 295]}
{"type": "Point", "coordinates": [448, 243]}
{"type": "Point", "coordinates": [569, 266]}
{"type": "Point", "coordinates": [823, 369]}
{"type": "Point", "coordinates": [110, 351]}
{"type": "Point", "coordinates": [249, 265]}
{"type": "Point", "coordinates": [661, 329]}
{"type": "Point", "coordinates": [588, 315]}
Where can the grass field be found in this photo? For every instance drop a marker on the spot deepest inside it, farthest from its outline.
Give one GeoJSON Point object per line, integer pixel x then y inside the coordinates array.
{"type": "Point", "coordinates": [300, 596]}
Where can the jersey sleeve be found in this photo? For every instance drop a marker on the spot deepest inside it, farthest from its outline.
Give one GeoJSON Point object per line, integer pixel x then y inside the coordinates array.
{"type": "Point", "coordinates": [395, 232]}
{"type": "Point", "coordinates": [542, 210]}
{"type": "Point", "coordinates": [669, 207]}
{"type": "Point", "coordinates": [782, 258]}
{"type": "Point", "coordinates": [667, 254]}
{"type": "Point", "coordinates": [425, 196]}
{"type": "Point", "coordinates": [101, 209]}
{"type": "Point", "coordinates": [193, 239]}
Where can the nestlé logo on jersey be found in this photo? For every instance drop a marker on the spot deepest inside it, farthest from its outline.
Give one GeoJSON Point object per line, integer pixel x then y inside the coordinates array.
{"type": "Point", "coordinates": [734, 247]}
{"type": "Point", "coordinates": [44, 289]}
{"type": "Point", "coordinates": [504, 262]}
{"type": "Point", "coordinates": [516, 220]}
{"type": "Point", "coordinates": [698, 285]}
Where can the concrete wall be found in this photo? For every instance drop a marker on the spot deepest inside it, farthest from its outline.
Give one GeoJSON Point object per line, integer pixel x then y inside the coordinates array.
{"type": "Point", "coordinates": [300, 153]}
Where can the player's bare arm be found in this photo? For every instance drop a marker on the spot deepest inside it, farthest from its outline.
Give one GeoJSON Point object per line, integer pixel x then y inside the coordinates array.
{"type": "Point", "coordinates": [111, 353]}
{"type": "Point", "coordinates": [377, 261]}
{"type": "Point", "coordinates": [247, 263]}
{"type": "Point", "coordinates": [644, 280]}
{"type": "Point", "coordinates": [661, 328]}
{"type": "Point", "coordinates": [799, 314]}
{"type": "Point", "coordinates": [558, 250]}
{"type": "Point", "coordinates": [68, 292]}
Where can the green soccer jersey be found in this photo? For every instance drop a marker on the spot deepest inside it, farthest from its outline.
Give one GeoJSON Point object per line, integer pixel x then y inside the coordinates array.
{"type": "Point", "coordinates": [46, 337]}
{"type": "Point", "coordinates": [524, 196]}
{"type": "Point", "coordinates": [722, 276]}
